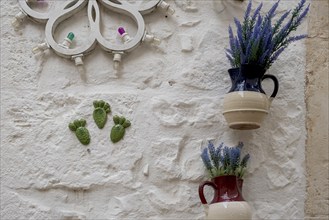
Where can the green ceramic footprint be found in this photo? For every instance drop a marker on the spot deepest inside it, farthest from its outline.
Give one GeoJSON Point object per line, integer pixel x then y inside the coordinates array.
{"type": "Point", "coordinates": [118, 130]}
{"type": "Point", "coordinates": [82, 133]}
{"type": "Point", "coordinates": [100, 112]}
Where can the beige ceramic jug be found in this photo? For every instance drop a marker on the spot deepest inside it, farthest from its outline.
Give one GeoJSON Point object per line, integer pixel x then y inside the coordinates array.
{"type": "Point", "coordinates": [246, 104]}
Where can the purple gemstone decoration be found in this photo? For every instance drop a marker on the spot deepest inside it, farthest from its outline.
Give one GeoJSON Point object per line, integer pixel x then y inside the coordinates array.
{"type": "Point", "coordinates": [121, 30]}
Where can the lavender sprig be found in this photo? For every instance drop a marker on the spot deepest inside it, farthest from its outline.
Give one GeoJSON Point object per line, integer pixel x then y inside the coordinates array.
{"type": "Point", "coordinates": [234, 158]}
{"type": "Point", "coordinates": [280, 21]}
{"type": "Point", "coordinates": [224, 160]}
{"type": "Point", "coordinates": [292, 25]}
{"type": "Point", "coordinates": [233, 54]}
{"type": "Point", "coordinates": [231, 59]}
{"type": "Point", "coordinates": [213, 154]}
{"type": "Point", "coordinates": [218, 153]}
{"type": "Point", "coordinates": [259, 42]}
{"type": "Point", "coordinates": [302, 16]}
{"type": "Point", "coordinates": [245, 160]}
{"type": "Point", "coordinates": [239, 34]}
{"type": "Point", "coordinates": [246, 15]}
{"type": "Point", "coordinates": [206, 160]}
{"type": "Point", "coordinates": [246, 22]}
{"type": "Point", "coordinates": [253, 20]}
{"type": "Point", "coordinates": [257, 11]}
{"type": "Point", "coordinates": [271, 12]}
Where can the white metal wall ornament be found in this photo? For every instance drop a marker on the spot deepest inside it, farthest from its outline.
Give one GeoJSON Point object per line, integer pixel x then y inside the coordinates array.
{"type": "Point", "coordinates": [67, 9]}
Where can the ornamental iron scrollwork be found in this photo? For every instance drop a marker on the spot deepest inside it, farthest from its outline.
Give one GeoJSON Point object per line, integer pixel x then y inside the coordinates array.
{"type": "Point", "coordinates": [68, 8]}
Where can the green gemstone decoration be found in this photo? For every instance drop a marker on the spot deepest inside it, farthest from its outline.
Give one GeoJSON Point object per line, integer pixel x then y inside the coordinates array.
{"type": "Point", "coordinates": [118, 130]}
{"type": "Point", "coordinates": [82, 133]}
{"type": "Point", "coordinates": [70, 36]}
{"type": "Point", "coordinates": [100, 112]}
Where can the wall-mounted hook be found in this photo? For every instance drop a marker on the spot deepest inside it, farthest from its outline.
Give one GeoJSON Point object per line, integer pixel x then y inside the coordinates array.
{"type": "Point", "coordinates": [18, 19]}
{"type": "Point", "coordinates": [117, 59]}
{"type": "Point", "coordinates": [164, 6]}
{"type": "Point", "coordinates": [149, 38]}
{"type": "Point", "coordinates": [41, 47]}
{"type": "Point", "coordinates": [78, 59]}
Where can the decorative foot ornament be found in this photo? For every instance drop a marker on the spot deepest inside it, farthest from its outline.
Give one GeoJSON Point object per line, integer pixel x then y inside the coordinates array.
{"type": "Point", "coordinates": [118, 130]}
{"type": "Point", "coordinates": [82, 133]}
{"type": "Point", "coordinates": [100, 112]}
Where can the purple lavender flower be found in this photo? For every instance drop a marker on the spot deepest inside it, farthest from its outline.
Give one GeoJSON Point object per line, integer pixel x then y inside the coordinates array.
{"type": "Point", "coordinates": [296, 38]}
{"type": "Point", "coordinates": [234, 157]}
{"type": "Point", "coordinates": [248, 51]}
{"type": "Point", "coordinates": [276, 54]}
{"type": "Point", "coordinates": [239, 34]}
{"type": "Point", "coordinates": [219, 152]}
{"type": "Point", "coordinates": [213, 155]}
{"type": "Point", "coordinates": [206, 159]}
{"type": "Point", "coordinates": [230, 58]}
{"type": "Point", "coordinates": [259, 42]}
{"type": "Point", "coordinates": [271, 12]}
{"type": "Point", "coordinates": [248, 24]}
{"type": "Point", "coordinates": [302, 16]}
{"type": "Point", "coordinates": [267, 41]}
{"type": "Point", "coordinates": [256, 13]}
{"type": "Point", "coordinates": [224, 160]}
{"type": "Point", "coordinates": [252, 47]}
{"type": "Point", "coordinates": [226, 157]}
{"type": "Point", "coordinates": [263, 57]}
{"type": "Point", "coordinates": [231, 36]}
{"type": "Point", "coordinates": [246, 15]}
{"type": "Point", "coordinates": [279, 22]}
{"type": "Point", "coordinates": [300, 6]}
{"type": "Point", "coordinates": [246, 21]}
{"type": "Point", "coordinates": [245, 160]}
{"type": "Point", "coordinates": [293, 23]}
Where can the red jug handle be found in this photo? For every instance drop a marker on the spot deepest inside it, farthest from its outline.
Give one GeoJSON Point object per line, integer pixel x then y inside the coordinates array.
{"type": "Point", "coordinates": [201, 187]}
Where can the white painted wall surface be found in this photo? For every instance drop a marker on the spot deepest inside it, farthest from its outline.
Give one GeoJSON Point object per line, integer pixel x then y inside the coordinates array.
{"type": "Point", "coordinates": [173, 96]}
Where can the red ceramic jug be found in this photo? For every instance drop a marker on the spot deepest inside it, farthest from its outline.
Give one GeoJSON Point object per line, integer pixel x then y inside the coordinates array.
{"type": "Point", "coordinates": [227, 202]}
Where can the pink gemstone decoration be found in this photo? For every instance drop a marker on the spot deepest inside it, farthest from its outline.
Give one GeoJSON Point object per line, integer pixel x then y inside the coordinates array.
{"type": "Point", "coordinates": [121, 31]}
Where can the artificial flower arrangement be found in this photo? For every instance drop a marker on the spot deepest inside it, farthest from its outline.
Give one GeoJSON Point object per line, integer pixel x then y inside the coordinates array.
{"type": "Point", "coordinates": [226, 169]}
{"type": "Point", "coordinates": [259, 40]}
{"type": "Point", "coordinates": [224, 160]}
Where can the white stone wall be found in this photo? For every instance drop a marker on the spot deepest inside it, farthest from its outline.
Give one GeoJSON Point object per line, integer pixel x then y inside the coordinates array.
{"type": "Point", "coordinates": [173, 96]}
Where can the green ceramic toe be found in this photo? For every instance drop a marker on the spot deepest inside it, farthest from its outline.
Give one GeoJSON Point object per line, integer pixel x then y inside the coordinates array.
{"type": "Point", "coordinates": [118, 130]}
{"type": "Point", "coordinates": [100, 113]}
{"type": "Point", "coordinates": [82, 133]}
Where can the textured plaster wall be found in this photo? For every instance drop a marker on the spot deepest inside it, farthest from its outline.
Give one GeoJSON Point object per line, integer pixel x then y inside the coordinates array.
{"type": "Point", "coordinates": [173, 96]}
{"type": "Point", "coordinates": [317, 154]}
